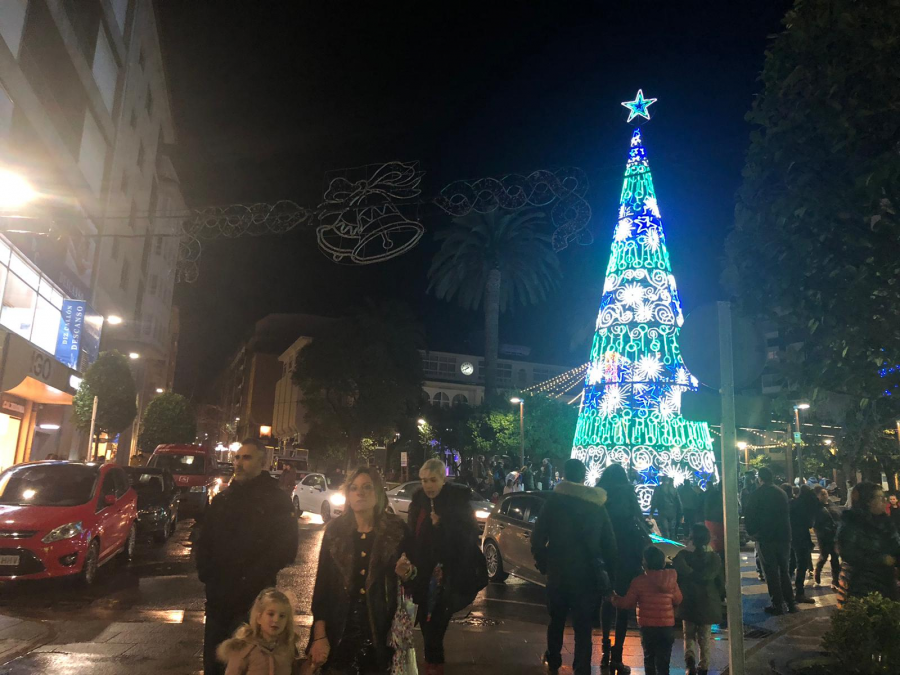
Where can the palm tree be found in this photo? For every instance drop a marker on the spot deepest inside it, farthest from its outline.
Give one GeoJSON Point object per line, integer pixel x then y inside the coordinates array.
{"type": "Point", "coordinates": [499, 257]}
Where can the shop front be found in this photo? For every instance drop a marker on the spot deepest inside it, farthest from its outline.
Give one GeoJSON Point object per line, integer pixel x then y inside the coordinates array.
{"type": "Point", "coordinates": [35, 403]}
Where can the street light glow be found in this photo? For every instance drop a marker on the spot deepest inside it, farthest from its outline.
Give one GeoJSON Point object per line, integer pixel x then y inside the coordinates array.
{"type": "Point", "coordinates": [802, 406]}
{"type": "Point", "coordinates": [15, 191]}
{"type": "Point", "coordinates": [421, 422]}
{"type": "Point", "coordinates": [828, 441]}
{"type": "Point", "coordinates": [134, 355]}
{"type": "Point", "coordinates": [114, 320]}
{"type": "Point", "coordinates": [159, 390]}
{"type": "Point", "coordinates": [515, 399]}
{"type": "Point", "coordinates": [741, 445]}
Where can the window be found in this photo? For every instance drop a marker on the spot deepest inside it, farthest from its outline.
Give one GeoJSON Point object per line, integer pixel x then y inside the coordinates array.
{"type": "Point", "coordinates": [149, 100]}
{"type": "Point", "coordinates": [115, 248]}
{"type": "Point", "coordinates": [517, 507]}
{"type": "Point", "coordinates": [441, 399]}
{"type": "Point", "coordinates": [123, 280]}
{"type": "Point", "coordinates": [19, 301]}
{"type": "Point", "coordinates": [541, 374]}
{"type": "Point", "coordinates": [535, 505]}
{"type": "Point", "coordinates": [92, 153]}
{"type": "Point", "coordinates": [521, 377]}
{"type": "Point", "coordinates": [772, 354]}
{"type": "Point", "coordinates": [439, 366]}
{"type": "Point", "coordinates": [140, 155]}
{"type": "Point", "coordinates": [134, 119]}
{"type": "Point", "coordinates": [105, 69]}
{"type": "Point", "coordinates": [46, 325]}
{"type": "Point", "coordinates": [124, 186]}
{"type": "Point", "coordinates": [108, 488]}
{"type": "Point", "coordinates": [460, 399]}
{"type": "Point", "coordinates": [121, 482]}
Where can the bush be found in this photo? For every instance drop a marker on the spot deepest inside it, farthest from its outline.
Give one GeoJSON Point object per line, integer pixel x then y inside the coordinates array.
{"type": "Point", "coordinates": [863, 636]}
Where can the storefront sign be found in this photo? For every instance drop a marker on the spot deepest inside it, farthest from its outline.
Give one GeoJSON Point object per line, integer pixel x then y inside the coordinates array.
{"type": "Point", "coordinates": [11, 407]}
{"type": "Point", "coordinates": [71, 328]}
{"type": "Point", "coordinates": [32, 373]}
{"type": "Point", "coordinates": [403, 459]}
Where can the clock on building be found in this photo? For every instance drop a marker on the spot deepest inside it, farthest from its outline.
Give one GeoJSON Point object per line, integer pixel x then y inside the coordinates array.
{"type": "Point", "coordinates": [467, 368]}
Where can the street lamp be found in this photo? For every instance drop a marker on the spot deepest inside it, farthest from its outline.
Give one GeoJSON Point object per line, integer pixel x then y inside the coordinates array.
{"type": "Point", "coordinates": [421, 423]}
{"type": "Point", "coordinates": [113, 320]}
{"type": "Point", "coordinates": [797, 438]}
{"type": "Point", "coordinates": [742, 445]}
{"type": "Point", "coordinates": [15, 191]}
{"type": "Point", "coordinates": [521, 402]}
{"type": "Point", "coordinates": [160, 390]}
{"type": "Point", "coordinates": [134, 356]}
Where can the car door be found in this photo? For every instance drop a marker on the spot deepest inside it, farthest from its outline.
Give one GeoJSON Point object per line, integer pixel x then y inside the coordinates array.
{"type": "Point", "coordinates": [304, 492]}
{"type": "Point", "coordinates": [317, 493]}
{"type": "Point", "coordinates": [126, 514]}
{"type": "Point", "coordinates": [107, 516]}
{"type": "Point", "coordinates": [511, 540]}
{"type": "Point", "coordinates": [527, 569]}
{"type": "Point", "coordinates": [403, 498]}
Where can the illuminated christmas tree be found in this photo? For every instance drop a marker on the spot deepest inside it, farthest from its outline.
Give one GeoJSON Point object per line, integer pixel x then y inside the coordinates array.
{"type": "Point", "coordinates": [631, 409]}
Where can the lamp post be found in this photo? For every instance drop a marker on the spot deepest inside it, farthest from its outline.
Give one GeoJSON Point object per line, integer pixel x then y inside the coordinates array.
{"type": "Point", "coordinates": [742, 445]}
{"type": "Point", "coordinates": [521, 403]}
{"type": "Point", "coordinates": [797, 437]}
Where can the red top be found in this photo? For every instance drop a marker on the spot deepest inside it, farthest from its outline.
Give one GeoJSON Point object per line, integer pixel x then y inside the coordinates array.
{"type": "Point", "coordinates": [656, 594]}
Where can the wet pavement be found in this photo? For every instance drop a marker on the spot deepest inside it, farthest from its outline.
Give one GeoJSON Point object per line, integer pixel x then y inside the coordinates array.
{"type": "Point", "coordinates": [147, 617]}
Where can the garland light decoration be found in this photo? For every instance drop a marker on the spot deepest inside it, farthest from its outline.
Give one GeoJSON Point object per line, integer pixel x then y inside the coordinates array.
{"type": "Point", "coordinates": [631, 407]}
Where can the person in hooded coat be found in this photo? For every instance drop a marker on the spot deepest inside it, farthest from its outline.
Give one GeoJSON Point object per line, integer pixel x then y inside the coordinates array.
{"type": "Point", "coordinates": [632, 537]}
{"type": "Point", "coordinates": [572, 539]}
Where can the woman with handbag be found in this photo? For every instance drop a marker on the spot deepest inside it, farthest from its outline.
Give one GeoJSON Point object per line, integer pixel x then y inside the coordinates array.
{"type": "Point", "coordinates": [361, 562]}
{"type": "Point", "coordinates": [449, 568]}
{"type": "Point", "coordinates": [632, 538]}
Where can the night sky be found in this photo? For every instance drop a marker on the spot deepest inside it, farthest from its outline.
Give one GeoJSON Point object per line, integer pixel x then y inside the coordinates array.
{"type": "Point", "coordinates": [267, 100]}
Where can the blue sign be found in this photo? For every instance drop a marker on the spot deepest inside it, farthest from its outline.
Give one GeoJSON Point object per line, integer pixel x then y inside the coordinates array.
{"type": "Point", "coordinates": [90, 337]}
{"type": "Point", "coordinates": [71, 330]}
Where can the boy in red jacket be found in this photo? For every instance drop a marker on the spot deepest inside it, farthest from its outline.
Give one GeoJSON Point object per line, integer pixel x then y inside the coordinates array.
{"type": "Point", "coordinates": [656, 594]}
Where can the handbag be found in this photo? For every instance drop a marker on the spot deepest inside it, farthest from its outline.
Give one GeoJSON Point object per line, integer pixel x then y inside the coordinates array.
{"type": "Point", "coordinates": [401, 635]}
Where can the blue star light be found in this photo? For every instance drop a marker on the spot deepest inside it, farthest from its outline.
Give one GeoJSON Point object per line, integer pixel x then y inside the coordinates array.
{"type": "Point", "coordinates": [650, 475]}
{"type": "Point", "coordinates": [638, 107]}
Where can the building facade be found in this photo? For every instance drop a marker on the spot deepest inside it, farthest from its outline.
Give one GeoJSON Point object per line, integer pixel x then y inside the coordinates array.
{"type": "Point", "coordinates": [85, 119]}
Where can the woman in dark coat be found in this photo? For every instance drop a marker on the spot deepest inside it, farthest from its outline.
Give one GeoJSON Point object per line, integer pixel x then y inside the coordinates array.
{"type": "Point", "coordinates": [632, 537]}
{"type": "Point", "coordinates": [360, 564]}
{"type": "Point", "coordinates": [869, 546]}
{"type": "Point", "coordinates": [445, 539]}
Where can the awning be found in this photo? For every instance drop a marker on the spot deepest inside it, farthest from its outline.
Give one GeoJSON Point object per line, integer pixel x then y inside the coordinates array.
{"type": "Point", "coordinates": [31, 373]}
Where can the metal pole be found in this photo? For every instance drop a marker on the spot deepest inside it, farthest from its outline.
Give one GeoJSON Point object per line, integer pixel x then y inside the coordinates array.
{"type": "Point", "coordinates": [91, 434]}
{"type": "Point", "coordinates": [730, 498]}
{"type": "Point", "coordinates": [798, 440]}
{"type": "Point", "coordinates": [789, 456]}
{"type": "Point", "coordinates": [521, 433]}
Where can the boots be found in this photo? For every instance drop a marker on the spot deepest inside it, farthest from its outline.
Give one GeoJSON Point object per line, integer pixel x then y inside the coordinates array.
{"type": "Point", "coordinates": [616, 667]}
{"type": "Point", "coordinates": [607, 647]}
{"type": "Point", "coordinates": [690, 666]}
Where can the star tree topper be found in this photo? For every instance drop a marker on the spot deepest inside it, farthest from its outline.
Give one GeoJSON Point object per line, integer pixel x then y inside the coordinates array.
{"type": "Point", "coordinates": [638, 107]}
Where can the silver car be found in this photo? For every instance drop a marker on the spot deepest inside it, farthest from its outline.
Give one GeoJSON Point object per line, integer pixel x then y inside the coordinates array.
{"type": "Point", "coordinates": [400, 497]}
{"type": "Point", "coordinates": [506, 540]}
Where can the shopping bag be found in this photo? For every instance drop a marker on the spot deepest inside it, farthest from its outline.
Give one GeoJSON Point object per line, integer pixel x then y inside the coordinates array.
{"type": "Point", "coordinates": [401, 635]}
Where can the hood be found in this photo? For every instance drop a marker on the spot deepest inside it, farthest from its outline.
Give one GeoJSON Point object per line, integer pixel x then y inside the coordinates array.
{"type": "Point", "coordinates": [702, 563]}
{"type": "Point", "coordinates": [664, 580]}
{"type": "Point", "coordinates": [40, 518]}
{"type": "Point", "coordinates": [589, 494]}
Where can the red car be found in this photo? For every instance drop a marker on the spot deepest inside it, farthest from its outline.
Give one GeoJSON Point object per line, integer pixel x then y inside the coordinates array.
{"type": "Point", "coordinates": [64, 518]}
{"type": "Point", "coordinates": [195, 471]}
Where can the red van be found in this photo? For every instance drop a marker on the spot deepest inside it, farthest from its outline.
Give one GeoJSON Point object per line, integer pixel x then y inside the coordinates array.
{"type": "Point", "coordinates": [195, 471]}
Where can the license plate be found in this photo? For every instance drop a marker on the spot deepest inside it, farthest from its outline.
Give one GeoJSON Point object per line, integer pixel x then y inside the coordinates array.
{"type": "Point", "coordinates": [12, 560]}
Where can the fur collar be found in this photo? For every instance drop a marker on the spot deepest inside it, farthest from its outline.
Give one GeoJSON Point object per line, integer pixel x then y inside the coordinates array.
{"type": "Point", "coordinates": [389, 533]}
{"type": "Point", "coordinates": [589, 494]}
{"type": "Point", "coordinates": [242, 646]}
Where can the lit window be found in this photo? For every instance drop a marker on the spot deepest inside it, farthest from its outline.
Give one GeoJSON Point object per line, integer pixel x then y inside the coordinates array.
{"type": "Point", "coordinates": [19, 301]}
{"type": "Point", "coordinates": [46, 326]}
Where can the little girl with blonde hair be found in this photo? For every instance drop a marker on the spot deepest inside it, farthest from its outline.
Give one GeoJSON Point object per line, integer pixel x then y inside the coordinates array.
{"type": "Point", "coordinates": [267, 645]}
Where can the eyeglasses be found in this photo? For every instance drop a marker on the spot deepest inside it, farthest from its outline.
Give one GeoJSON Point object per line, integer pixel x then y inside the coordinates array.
{"type": "Point", "coordinates": [367, 488]}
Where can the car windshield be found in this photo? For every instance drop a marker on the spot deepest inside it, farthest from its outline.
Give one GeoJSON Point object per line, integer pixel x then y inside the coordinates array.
{"type": "Point", "coordinates": [185, 465]}
{"type": "Point", "coordinates": [48, 485]}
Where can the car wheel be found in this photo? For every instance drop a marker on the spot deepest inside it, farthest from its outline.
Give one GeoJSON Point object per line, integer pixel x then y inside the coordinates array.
{"type": "Point", "coordinates": [89, 567]}
{"type": "Point", "coordinates": [326, 512]}
{"type": "Point", "coordinates": [128, 550]}
{"type": "Point", "coordinates": [297, 511]}
{"type": "Point", "coordinates": [494, 563]}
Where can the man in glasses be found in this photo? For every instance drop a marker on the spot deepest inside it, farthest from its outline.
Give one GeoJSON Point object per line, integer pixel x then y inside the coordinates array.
{"type": "Point", "coordinates": [248, 534]}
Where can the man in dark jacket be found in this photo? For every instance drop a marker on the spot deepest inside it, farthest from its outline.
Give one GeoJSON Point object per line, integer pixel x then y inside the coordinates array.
{"type": "Point", "coordinates": [572, 538]}
{"type": "Point", "coordinates": [825, 525]}
{"type": "Point", "coordinates": [667, 504]}
{"type": "Point", "coordinates": [248, 534]}
{"type": "Point", "coordinates": [803, 514]}
{"type": "Point", "coordinates": [767, 517]}
{"type": "Point", "coordinates": [691, 502]}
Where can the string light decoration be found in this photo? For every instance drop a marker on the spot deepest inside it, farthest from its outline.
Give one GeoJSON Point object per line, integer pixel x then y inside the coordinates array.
{"type": "Point", "coordinates": [630, 412]}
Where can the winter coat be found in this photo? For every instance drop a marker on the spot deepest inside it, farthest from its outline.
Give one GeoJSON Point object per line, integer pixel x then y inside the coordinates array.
{"type": "Point", "coordinates": [331, 600]}
{"type": "Point", "coordinates": [863, 541]}
{"type": "Point", "coordinates": [701, 579]}
{"type": "Point", "coordinates": [452, 543]}
{"type": "Point", "coordinates": [713, 508]}
{"type": "Point", "coordinates": [247, 535]}
{"type": "Point", "coordinates": [656, 594]}
{"type": "Point", "coordinates": [249, 656]}
{"type": "Point", "coordinates": [691, 500]}
{"type": "Point", "coordinates": [825, 525]}
{"type": "Point", "coordinates": [803, 515]}
{"type": "Point", "coordinates": [767, 515]}
{"type": "Point", "coordinates": [527, 479]}
{"type": "Point", "coordinates": [666, 502]}
{"type": "Point", "coordinates": [572, 533]}
{"type": "Point", "coordinates": [631, 534]}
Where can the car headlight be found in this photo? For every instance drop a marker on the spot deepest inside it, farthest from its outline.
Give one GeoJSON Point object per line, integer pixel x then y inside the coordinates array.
{"type": "Point", "coordinates": [198, 488]}
{"type": "Point", "coordinates": [338, 499]}
{"type": "Point", "coordinates": [66, 531]}
{"type": "Point", "coordinates": [482, 515]}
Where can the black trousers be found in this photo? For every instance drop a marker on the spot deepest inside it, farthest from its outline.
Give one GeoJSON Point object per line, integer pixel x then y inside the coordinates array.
{"type": "Point", "coordinates": [668, 525]}
{"type": "Point", "coordinates": [826, 551]}
{"type": "Point", "coordinates": [221, 622]}
{"type": "Point", "coordinates": [609, 616]}
{"type": "Point", "coordinates": [433, 631]}
{"type": "Point", "coordinates": [560, 603]}
{"type": "Point", "coordinates": [690, 517]}
{"type": "Point", "coordinates": [804, 560]}
{"type": "Point", "coordinates": [657, 645]}
{"type": "Point", "coordinates": [776, 557]}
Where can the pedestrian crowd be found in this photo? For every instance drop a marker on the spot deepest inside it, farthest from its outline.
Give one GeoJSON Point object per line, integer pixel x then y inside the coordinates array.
{"type": "Point", "coordinates": [379, 575]}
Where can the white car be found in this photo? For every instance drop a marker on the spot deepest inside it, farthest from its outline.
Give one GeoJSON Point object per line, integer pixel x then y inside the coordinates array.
{"type": "Point", "coordinates": [400, 497]}
{"type": "Point", "coordinates": [320, 495]}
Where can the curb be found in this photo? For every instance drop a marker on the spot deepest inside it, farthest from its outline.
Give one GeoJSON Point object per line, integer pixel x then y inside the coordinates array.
{"type": "Point", "coordinates": [780, 668]}
{"type": "Point", "coordinates": [50, 634]}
